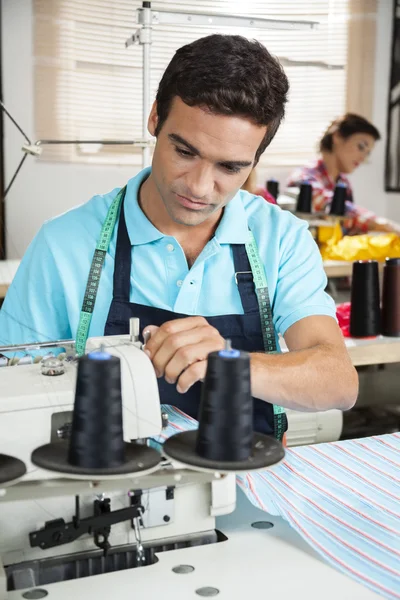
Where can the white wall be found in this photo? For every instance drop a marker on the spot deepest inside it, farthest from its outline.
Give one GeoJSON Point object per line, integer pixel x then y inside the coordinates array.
{"type": "Point", "coordinates": [369, 179]}
{"type": "Point", "coordinates": [43, 190]}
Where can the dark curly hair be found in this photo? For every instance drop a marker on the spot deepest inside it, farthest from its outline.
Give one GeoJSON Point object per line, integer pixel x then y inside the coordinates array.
{"type": "Point", "coordinates": [230, 75]}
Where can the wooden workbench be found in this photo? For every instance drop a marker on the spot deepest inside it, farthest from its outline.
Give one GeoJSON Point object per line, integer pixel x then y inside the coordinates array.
{"type": "Point", "coordinates": [375, 351]}
{"type": "Point", "coordinates": [338, 268]}
{"type": "Point", "coordinates": [372, 351]}
{"type": "Point", "coordinates": [342, 268]}
{"type": "Point", "coordinates": [8, 268]}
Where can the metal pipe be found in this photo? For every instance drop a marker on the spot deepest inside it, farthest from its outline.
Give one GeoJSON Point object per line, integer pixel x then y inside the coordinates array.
{"type": "Point", "coordinates": [145, 40]}
{"type": "Point", "coordinates": [37, 346]}
{"type": "Point", "coordinates": [15, 122]}
{"type": "Point", "coordinates": [102, 142]}
{"type": "Point", "coordinates": [17, 170]}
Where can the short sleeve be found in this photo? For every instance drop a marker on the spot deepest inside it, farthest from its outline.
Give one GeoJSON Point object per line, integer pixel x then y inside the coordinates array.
{"type": "Point", "coordinates": [34, 309]}
{"type": "Point", "coordinates": [300, 290]}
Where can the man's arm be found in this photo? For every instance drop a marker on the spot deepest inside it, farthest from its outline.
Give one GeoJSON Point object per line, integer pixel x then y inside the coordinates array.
{"type": "Point", "coordinates": [34, 308]}
{"type": "Point", "coordinates": [317, 373]}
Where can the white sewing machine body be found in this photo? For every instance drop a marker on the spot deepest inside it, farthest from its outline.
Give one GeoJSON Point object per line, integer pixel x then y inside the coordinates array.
{"type": "Point", "coordinates": [182, 508]}
{"type": "Point", "coordinates": [35, 407]}
{"type": "Point", "coordinates": [47, 401]}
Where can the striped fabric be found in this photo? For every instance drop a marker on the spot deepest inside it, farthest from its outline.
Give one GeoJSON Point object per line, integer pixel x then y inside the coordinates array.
{"type": "Point", "coordinates": [343, 498]}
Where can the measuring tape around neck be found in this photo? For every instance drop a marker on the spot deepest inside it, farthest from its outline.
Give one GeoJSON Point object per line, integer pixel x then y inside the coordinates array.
{"type": "Point", "coordinates": [96, 267]}
{"type": "Point", "coordinates": [267, 324]}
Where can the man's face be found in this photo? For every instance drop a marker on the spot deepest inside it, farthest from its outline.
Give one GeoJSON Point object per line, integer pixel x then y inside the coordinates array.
{"type": "Point", "coordinates": [201, 160]}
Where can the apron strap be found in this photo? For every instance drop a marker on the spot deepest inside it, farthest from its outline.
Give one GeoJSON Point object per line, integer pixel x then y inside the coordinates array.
{"type": "Point", "coordinates": [123, 261]}
{"type": "Point", "coordinates": [244, 279]}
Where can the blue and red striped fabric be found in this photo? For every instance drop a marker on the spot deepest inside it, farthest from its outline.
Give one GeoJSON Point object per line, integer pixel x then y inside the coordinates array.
{"type": "Point", "coordinates": [343, 498]}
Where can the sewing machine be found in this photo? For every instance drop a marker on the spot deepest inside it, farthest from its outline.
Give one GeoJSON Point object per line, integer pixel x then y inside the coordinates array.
{"type": "Point", "coordinates": [161, 531]}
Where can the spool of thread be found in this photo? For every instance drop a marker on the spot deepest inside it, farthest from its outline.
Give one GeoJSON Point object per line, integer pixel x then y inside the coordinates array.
{"type": "Point", "coordinates": [391, 298]}
{"type": "Point", "coordinates": [273, 187]}
{"type": "Point", "coordinates": [338, 205]}
{"type": "Point", "coordinates": [97, 433]}
{"type": "Point", "coordinates": [226, 411]}
{"type": "Point", "coordinates": [304, 199]}
{"type": "Point", "coordinates": [365, 304]}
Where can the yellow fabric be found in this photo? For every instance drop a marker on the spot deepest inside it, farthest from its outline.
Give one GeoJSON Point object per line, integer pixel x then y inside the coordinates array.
{"type": "Point", "coordinates": [325, 234]}
{"type": "Point", "coordinates": [360, 247]}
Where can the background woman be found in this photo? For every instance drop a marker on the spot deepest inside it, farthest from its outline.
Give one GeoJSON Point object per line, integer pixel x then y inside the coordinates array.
{"type": "Point", "coordinates": [346, 144]}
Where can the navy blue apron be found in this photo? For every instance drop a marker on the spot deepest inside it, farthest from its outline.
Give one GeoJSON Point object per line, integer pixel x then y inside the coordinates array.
{"type": "Point", "coordinates": [243, 330]}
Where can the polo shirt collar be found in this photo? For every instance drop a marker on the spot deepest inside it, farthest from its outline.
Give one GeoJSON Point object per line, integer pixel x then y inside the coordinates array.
{"type": "Point", "coordinates": [233, 228]}
{"type": "Point", "coordinates": [140, 229]}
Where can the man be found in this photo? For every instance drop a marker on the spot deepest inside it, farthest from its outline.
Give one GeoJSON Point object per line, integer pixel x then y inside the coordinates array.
{"type": "Point", "coordinates": [178, 255]}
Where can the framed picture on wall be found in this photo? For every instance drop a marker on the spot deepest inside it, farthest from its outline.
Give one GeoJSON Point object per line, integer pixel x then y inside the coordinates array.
{"type": "Point", "coordinates": [392, 167]}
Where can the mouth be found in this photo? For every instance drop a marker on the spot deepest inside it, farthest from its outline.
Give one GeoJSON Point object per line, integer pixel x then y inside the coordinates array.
{"type": "Point", "coordinates": [356, 164]}
{"type": "Point", "coordinates": [191, 204]}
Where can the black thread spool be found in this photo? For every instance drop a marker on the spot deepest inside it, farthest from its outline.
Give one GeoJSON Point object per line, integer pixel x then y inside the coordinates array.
{"type": "Point", "coordinates": [96, 446]}
{"type": "Point", "coordinates": [391, 298]}
{"type": "Point", "coordinates": [365, 302]}
{"type": "Point", "coordinates": [304, 199]}
{"type": "Point", "coordinates": [338, 205]}
{"type": "Point", "coordinates": [97, 433]}
{"type": "Point", "coordinates": [226, 410]}
{"type": "Point", "coordinates": [273, 187]}
{"type": "Point", "coordinates": [225, 440]}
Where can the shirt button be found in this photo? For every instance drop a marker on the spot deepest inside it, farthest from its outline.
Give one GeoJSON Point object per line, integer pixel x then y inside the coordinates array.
{"type": "Point", "coordinates": [170, 247]}
{"type": "Point", "coordinates": [179, 283]}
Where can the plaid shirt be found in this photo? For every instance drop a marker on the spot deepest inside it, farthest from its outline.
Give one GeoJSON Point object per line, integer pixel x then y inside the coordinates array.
{"type": "Point", "coordinates": [360, 219]}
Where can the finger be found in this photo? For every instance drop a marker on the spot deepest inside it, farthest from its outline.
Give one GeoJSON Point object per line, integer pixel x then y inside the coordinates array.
{"type": "Point", "coordinates": [148, 332]}
{"type": "Point", "coordinates": [191, 375]}
{"type": "Point", "coordinates": [171, 328]}
{"type": "Point", "coordinates": [182, 347]}
{"type": "Point", "coordinates": [190, 354]}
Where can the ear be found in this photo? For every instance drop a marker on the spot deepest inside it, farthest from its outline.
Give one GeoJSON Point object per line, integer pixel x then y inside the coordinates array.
{"type": "Point", "coordinates": [336, 138]}
{"type": "Point", "coordinates": [153, 119]}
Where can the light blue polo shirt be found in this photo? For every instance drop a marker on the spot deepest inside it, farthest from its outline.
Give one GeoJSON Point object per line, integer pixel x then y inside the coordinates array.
{"type": "Point", "coordinates": [44, 301]}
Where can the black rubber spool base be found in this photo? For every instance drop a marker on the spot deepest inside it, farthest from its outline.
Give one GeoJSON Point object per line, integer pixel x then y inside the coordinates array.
{"type": "Point", "coordinates": [11, 468]}
{"type": "Point", "coordinates": [54, 457]}
{"type": "Point", "coordinates": [266, 452]}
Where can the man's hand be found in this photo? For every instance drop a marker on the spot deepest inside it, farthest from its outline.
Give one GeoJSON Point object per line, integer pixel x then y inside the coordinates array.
{"type": "Point", "coordinates": [179, 350]}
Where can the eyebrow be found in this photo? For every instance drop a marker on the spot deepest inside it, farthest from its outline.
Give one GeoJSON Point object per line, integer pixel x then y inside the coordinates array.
{"type": "Point", "coordinates": [174, 137]}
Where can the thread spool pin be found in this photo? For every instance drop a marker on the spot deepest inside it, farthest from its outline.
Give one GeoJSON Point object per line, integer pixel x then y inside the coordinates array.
{"type": "Point", "coordinates": [134, 329]}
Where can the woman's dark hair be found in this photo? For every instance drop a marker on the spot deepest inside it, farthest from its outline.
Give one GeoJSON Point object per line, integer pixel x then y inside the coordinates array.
{"type": "Point", "coordinates": [346, 126]}
{"type": "Point", "coordinates": [228, 75]}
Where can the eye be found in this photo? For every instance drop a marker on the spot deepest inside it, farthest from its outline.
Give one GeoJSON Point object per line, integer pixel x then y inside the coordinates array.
{"type": "Point", "coordinates": [230, 169]}
{"type": "Point", "coordinates": [185, 153]}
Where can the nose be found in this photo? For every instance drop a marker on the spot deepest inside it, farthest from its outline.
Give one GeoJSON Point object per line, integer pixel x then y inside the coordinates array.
{"type": "Point", "coordinates": [200, 181]}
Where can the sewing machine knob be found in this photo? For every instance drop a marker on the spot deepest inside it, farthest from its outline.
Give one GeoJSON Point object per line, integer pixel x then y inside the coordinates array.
{"type": "Point", "coordinates": [64, 432]}
{"type": "Point", "coordinates": [52, 366]}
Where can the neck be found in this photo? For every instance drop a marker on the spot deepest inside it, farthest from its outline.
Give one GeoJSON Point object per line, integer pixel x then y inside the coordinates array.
{"type": "Point", "coordinates": [331, 165]}
{"type": "Point", "coordinates": [192, 238]}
